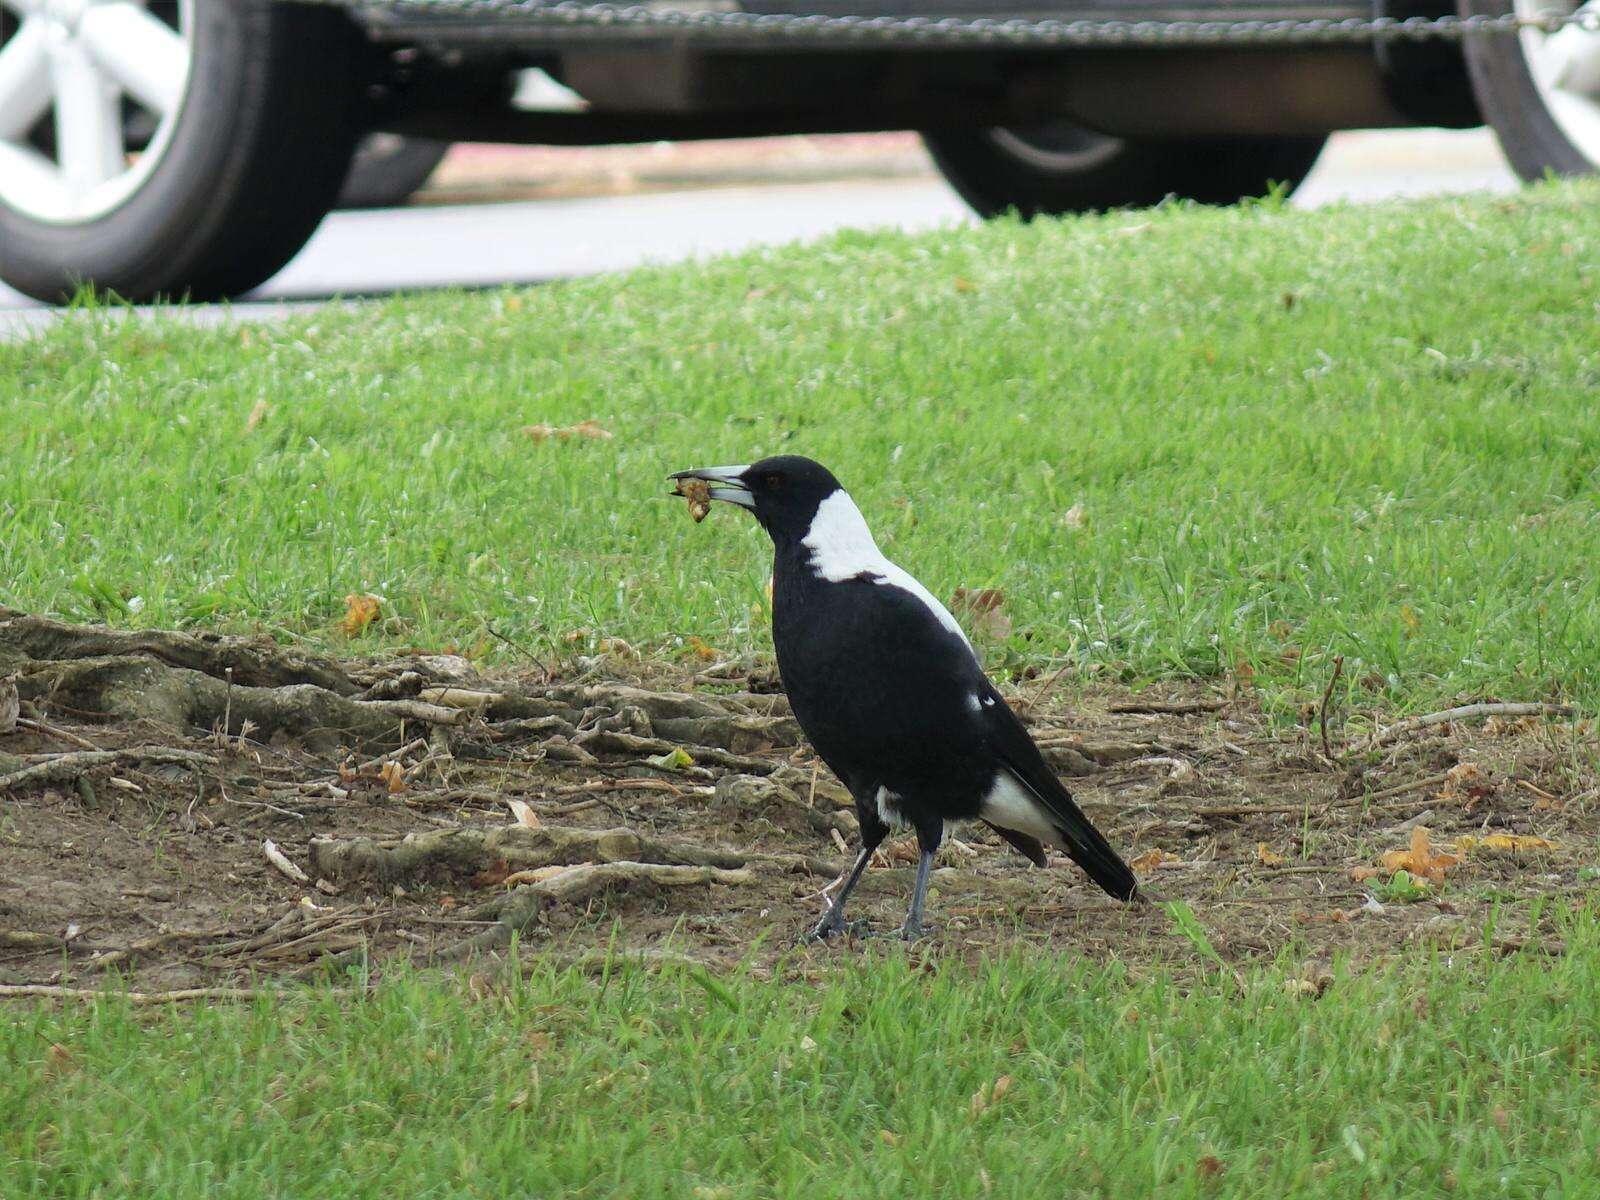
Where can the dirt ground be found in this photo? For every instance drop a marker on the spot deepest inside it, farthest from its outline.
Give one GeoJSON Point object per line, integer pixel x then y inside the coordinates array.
{"type": "Point", "coordinates": [434, 811]}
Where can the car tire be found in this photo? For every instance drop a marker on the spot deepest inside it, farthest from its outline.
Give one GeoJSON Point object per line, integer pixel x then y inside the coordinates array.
{"type": "Point", "coordinates": [1543, 127]}
{"type": "Point", "coordinates": [259, 141]}
{"type": "Point", "coordinates": [388, 168]}
{"type": "Point", "coordinates": [1066, 168]}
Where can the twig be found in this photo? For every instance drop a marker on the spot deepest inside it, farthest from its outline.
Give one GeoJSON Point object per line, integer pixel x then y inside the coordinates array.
{"type": "Point", "coordinates": [46, 991]}
{"type": "Point", "coordinates": [61, 767]}
{"type": "Point", "coordinates": [113, 957]}
{"type": "Point", "coordinates": [46, 728]}
{"type": "Point", "coordinates": [1322, 713]}
{"type": "Point", "coordinates": [1252, 810]}
{"type": "Point", "coordinates": [279, 860]}
{"type": "Point", "coordinates": [1466, 712]}
{"type": "Point", "coordinates": [411, 747]}
{"type": "Point", "coordinates": [520, 649]}
{"type": "Point", "coordinates": [1176, 707]}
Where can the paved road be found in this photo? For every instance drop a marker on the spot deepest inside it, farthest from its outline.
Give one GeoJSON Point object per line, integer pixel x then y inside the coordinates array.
{"type": "Point", "coordinates": [367, 253]}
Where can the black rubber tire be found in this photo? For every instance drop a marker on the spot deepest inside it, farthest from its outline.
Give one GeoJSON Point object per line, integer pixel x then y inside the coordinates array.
{"type": "Point", "coordinates": [1533, 143]}
{"type": "Point", "coordinates": [256, 161]}
{"type": "Point", "coordinates": [388, 168]}
{"type": "Point", "coordinates": [991, 169]}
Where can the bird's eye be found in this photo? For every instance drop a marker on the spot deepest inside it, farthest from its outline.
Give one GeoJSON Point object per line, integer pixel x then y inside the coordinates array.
{"type": "Point", "coordinates": [773, 482]}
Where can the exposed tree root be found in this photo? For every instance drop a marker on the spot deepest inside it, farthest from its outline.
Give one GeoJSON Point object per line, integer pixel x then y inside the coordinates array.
{"type": "Point", "coordinates": [520, 910]}
{"type": "Point", "coordinates": [65, 767]}
{"type": "Point", "coordinates": [442, 854]}
{"type": "Point", "coordinates": [48, 992]}
{"type": "Point", "coordinates": [148, 690]}
{"type": "Point", "coordinates": [255, 662]}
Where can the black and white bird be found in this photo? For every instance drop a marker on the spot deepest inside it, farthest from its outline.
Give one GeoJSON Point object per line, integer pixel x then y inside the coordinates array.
{"type": "Point", "coordinates": [890, 692]}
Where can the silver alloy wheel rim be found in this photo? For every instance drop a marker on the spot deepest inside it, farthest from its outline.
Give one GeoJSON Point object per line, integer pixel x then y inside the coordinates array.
{"type": "Point", "coordinates": [86, 67]}
{"type": "Point", "coordinates": [1565, 66]}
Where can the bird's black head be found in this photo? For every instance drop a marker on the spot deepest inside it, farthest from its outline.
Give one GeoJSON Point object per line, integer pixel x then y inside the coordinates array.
{"type": "Point", "coordinates": [783, 492]}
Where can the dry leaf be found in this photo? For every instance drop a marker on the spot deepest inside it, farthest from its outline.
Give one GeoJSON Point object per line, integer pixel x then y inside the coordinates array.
{"type": "Point", "coordinates": [1075, 517]}
{"type": "Point", "coordinates": [1421, 858]}
{"type": "Point", "coordinates": [493, 875]}
{"type": "Point", "coordinates": [703, 649]}
{"type": "Point", "coordinates": [394, 776]}
{"type": "Point", "coordinates": [523, 811]}
{"type": "Point", "coordinates": [1467, 783]}
{"type": "Point", "coordinates": [1150, 860]}
{"type": "Point", "coordinates": [540, 874]}
{"type": "Point", "coordinates": [1264, 855]}
{"type": "Point", "coordinates": [888, 1137]}
{"type": "Point", "coordinates": [360, 610]}
{"type": "Point", "coordinates": [985, 609]}
{"type": "Point", "coordinates": [257, 415]}
{"type": "Point", "coordinates": [1505, 843]}
{"type": "Point", "coordinates": [963, 284]}
{"type": "Point", "coordinates": [808, 1044]}
{"type": "Point", "coordinates": [1209, 1166]}
{"type": "Point", "coordinates": [998, 1092]}
{"type": "Point", "coordinates": [1408, 615]}
{"type": "Point", "coordinates": [590, 429]}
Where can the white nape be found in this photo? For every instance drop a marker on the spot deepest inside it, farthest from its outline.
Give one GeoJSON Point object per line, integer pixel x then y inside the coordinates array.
{"type": "Point", "coordinates": [842, 547]}
{"type": "Point", "coordinates": [1011, 806]}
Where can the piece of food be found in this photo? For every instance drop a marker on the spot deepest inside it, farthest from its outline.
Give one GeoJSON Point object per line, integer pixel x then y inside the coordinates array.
{"type": "Point", "coordinates": [698, 493]}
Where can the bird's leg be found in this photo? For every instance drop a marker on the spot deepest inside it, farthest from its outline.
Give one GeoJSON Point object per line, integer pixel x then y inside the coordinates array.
{"type": "Point", "coordinates": [912, 929]}
{"type": "Point", "coordinates": [833, 920]}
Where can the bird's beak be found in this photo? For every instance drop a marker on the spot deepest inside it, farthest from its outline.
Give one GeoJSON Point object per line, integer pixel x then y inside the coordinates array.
{"type": "Point", "coordinates": [727, 483]}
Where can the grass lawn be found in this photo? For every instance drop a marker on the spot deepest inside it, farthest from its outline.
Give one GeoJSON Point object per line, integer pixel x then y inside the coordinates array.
{"type": "Point", "coordinates": [1369, 432]}
{"type": "Point", "coordinates": [1184, 443]}
{"type": "Point", "coordinates": [1466, 1076]}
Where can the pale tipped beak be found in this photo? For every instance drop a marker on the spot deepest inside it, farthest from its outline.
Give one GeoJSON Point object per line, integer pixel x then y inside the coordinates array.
{"type": "Point", "coordinates": [727, 483]}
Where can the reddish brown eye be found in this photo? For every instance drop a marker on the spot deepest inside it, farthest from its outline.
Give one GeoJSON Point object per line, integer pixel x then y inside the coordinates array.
{"type": "Point", "coordinates": [773, 482]}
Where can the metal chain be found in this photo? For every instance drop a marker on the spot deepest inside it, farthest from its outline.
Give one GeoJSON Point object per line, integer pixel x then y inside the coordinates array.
{"type": "Point", "coordinates": [970, 30]}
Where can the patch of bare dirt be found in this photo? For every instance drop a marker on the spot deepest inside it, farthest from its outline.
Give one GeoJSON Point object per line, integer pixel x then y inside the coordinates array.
{"type": "Point", "coordinates": [182, 810]}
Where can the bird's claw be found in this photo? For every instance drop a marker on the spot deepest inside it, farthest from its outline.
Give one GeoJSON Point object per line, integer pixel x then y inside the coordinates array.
{"type": "Point", "coordinates": [906, 933]}
{"type": "Point", "coordinates": [832, 926]}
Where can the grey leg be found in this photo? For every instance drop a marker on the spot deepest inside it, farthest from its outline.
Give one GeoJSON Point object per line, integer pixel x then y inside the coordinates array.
{"type": "Point", "coordinates": [912, 929]}
{"type": "Point", "coordinates": [833, 920]}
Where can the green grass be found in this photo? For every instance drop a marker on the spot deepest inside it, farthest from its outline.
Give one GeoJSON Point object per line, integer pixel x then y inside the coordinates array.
{"type": "Point", "coordinates": [1369, 431]}
{"type": "Point", "coordinates": [1443, 1075]}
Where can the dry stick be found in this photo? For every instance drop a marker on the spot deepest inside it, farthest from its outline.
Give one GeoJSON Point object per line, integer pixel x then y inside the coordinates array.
{"type": "Point", "coordinates": [53, 731]}
{"type": "Point", "coordinates": [46, 991]}
{"type": "Point", "coordinates": [1251, 810]}
{"type": "Point", "coordinates": [410, 747]}
{"type": "Point", "coordinates": [1322, 713]}
{"type": "Point", "coordinates": [1176, 707]}
{"type": "Point", "coordinates": [67, 766]}
{"type": "Point", "coordinates": [113, 957]}
{"type": "Point", "coordinates": [1466, 712]}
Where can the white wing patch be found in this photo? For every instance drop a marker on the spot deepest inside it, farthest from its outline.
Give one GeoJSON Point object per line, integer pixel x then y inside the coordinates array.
{"type": "Point", "coordinates": [888, 810]}
{"type": "Point", "coordinates": [842, 547]}
{"type": "Point", "coordinates": [1011, 806]}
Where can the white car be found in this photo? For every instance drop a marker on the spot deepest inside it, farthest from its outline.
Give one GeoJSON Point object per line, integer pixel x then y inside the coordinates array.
{"type": "Point", "coordinates": [190, 147]}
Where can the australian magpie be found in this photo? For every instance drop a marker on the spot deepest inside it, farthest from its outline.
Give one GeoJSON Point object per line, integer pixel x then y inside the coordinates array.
{"type": "Point", "coordinates": [890, 692]}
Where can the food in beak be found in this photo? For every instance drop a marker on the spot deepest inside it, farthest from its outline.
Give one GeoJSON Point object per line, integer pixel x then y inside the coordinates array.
{"type": "Point", "coordinates": [698, 493]}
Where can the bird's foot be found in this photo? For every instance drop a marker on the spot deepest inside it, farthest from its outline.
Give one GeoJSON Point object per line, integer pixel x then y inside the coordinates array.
{"type": "Point", "coordinates": [833, 925]}
{"type": "Point", "coordinates": [907, 933]}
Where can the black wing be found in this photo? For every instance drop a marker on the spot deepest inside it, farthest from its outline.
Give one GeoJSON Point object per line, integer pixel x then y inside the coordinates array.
{"type": "Point", "coordinates": [1085, 844]}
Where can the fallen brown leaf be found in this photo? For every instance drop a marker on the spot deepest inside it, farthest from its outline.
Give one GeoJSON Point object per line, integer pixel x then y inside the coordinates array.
{"type": "Point", "coordinates": [1267, 856]}
{"type": "Point", "coordinates": [1152, 860]}
{"type": "Point", "coordinates": [1075, 517]}
{"type": "Point", "coordinates": [523, 812]}
{"type": "Point", "coordinates": [590, 430]}
{"type": "Point", "coordinates": [1504, 843]}
{"type": "Point", "coordinates": [703, 649]}
{"type": "Point", "coordinates": [1420, 858]}
{"type": "Point", "coordinates": [360, 611]}
{"type": "Point", "coordinates": [394, 776]}
{"type": "Point", "coordinates": [257, 415]}
{"type": "Point", "coordinates": [985, 608]}
{"type": "Point", "coordinates": [491, 876]}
